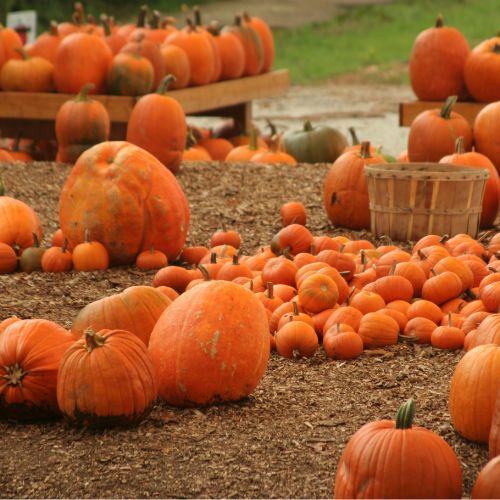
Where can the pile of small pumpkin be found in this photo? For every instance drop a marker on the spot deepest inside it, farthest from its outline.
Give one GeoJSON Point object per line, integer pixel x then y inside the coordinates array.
{"type": "Point", "coordinates": [132, 59]}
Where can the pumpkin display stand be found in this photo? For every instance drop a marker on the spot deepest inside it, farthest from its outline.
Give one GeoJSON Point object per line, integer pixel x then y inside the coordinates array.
{"type": "Point", "coordinates": [409, 110]}
{"type": "Point", "coordinates": [410, 200]}
{"type": "Point", "coordinates": [33, 113]}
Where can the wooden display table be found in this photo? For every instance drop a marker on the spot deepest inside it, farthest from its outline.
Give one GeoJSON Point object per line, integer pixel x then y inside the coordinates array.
{"type": "Point", "coordinates": [33, 114]}
{"type": "Point", "coordinates": [409, 110]}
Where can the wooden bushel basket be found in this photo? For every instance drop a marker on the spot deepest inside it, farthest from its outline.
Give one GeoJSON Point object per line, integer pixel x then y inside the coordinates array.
{"type": "Point", "coordinates": [410, 200]}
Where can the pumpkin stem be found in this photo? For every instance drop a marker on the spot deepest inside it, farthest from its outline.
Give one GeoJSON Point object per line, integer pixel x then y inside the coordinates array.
{"type": "Point", "coordinates": [405, 415]}
{"type": "Point", "coordinates": [64, 245]}
{"type": "Point", "coordinates": [470, 294]}
{"type": "Point", "coordinates": [213, 258]}
{"type": "Point", "coordinates": [393, 267]}
{"type": "Point", "coordinates": [295, 308]}
{"type": "Point", "coordinates": [105, 24]}
{"type": "Point", "coordinates": [204, 272]}
{"type": "Point", "coordinates": [93, 340]}
{"type": "Point", "coordinates": [154, 23]}
{"type": "Point", "coordinates": [191, 27]}
{"type": "Point", "coordinates": [439, 21]}
{"type": "Point", "coordinates": [272, 127]}
{"type": "Point", "coordinates": [164, 84]}
{"type": "Point", "coordinates": [363, 260]}
{"type": "Point", "coordinates": [22, 51]}
{"type": "Point", "coordinates": [253, 139]}
{"type": "Point", "coordinates": [36, 242]}
{"type": "Point", "coordinates": [447, 106]}
{"type": "Point", "coordinates": [54, 29]}
{"type": "Point", "coordinates": [197, 15]}
{"type": "Point", "coordinates": [496, 48]}
{"type": "Point", "coordinates": [444, 238]}
{"type": "Point", "coordinates": [270, 289]}
{"type": "Point", "coordinates": [14, 374]}
{"type": "Point", "coordinates": [354, 136]}
{"type": "Point", "coordinates": [365, 150]}
{"type": "Point", "coordinates": [349, 296]}
{"type": "Point", "coordinates": [459, 145]}
{"type": "Point", "coordinates": [235, 260]}
{"type": "Point", "coordinates": [2, 187]}
{"type": "Point", "coordinates": [86, 235]}
{"type": "Point", "coordinates": [312, 249]}
{"type": "Point", "coordinates": [141, 17]}
{"type": "Point", "coordinates": [308, 126]}
{"type": "Point", "coordinates": [421, 254]}
{"type": "Point", "coordinates": [83, 95]}
{"type": "Point", "coordinates": [449, 318]}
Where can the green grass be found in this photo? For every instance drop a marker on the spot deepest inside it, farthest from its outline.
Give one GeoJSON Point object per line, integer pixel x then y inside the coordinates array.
{"type": "Point", "coordinates": [378, 37]}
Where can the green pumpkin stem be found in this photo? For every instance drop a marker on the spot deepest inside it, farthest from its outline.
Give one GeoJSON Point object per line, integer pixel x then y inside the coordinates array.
{"type": "Point", "coordinates": [354, 136]}
{"type": "Point", "coordinates": [204, 272]}
{"type": "Point", "coordinates": [308, 126]}
{"type": "Point", "coordinates": [405, 415]}
{"type": "Point", "coordinates": [447, 107]}
{"type": "Point", "coordinates": [36, 242]}
{"type": "Point", "coordinates": [164, 84]}
{"type": "Point", "coordinates": [459, 145]}
{"type": "Point", "coordinates": [93, 340]}
{"type": "Point", "coordinates": [83, 95]}
{"type": "Point", "coordinates": [253, 139]}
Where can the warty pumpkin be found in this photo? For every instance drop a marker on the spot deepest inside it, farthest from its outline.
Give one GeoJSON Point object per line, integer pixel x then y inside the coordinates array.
{"type": "Point", "coordinates": [127, 200]}
{"type": "Point", "coordinates": [210, 345]}
{"type": "Point", "coordinates": [396, 459]}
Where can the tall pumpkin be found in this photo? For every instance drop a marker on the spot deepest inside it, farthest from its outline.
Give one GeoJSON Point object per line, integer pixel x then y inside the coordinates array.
{"type": "Point", "coordinates": [345, 192]}
{"type": "Point", "coordinates": [106, 379]}
{"type": "Point", "coordinates": [210, 345]}
{"type": "Point", "coordinates": [474, 387]}
{"type": "Point", "coordinates": [135, 310]}
{"type": "Point", "coordinates": [30, 353]}
{"type": "Point", "coordinates": [81, 122]}
{"type": "Point", "coordinates": [158, 124]}
{"type": "Point", "coordinates": [437, 61]}
{"type": "Point", "coordinates": [127, 200]}
{"type": "Point", "coordinates": [394, 459]}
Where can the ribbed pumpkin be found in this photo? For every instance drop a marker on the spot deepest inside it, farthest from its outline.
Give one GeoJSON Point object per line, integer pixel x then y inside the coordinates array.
{"type": "Point", "coordinates": [378, 330]}
{"type": "Point", "coordinates": [18, 222]}
{"type": "Point", "coordinates": [130, 73]}
{"type": "Point", "coordinates": [345, 192]}
{"type": "Point", "coordinates": [482, 71]}
{"type": "Point", "coordinates": [437, 61]}
{"type": "Point", "coordinates": [487, 332]}
{"type": "Point", "coordinates": [395, 459]}
{"type": "Point", "coordinates": [9, 42]}
{"type": "Point", "coordinates": [46, 44]}
{"type": "Point", "coordinates": [487, 484]}
{"type": "Point", "coordinates": [492, 188]}
{"type": "Point", "coordinates": [81, 58]}
{"type": "Point", "coordinates": [210, 345]}
{"type": "Point", "coordinates": [266, 36]}
{"type": "Point", "coordinates": [30, 353]}
{"type": "Point", "coordinates": [157, 123]}
{"type": "Point", "coordinates": [232, 53]}
{"type": "Point", "coordinates": [81, 122]}
{"type": "Point", "coordinates": [486, 132]}
{"type": "Point", "coordinates": [474, 387]}
{"type": "Point", "coordinates": [176, 64]}
{"type": "Point", "coordinates": [494, 437]}
{"type": "Point", "coordinates": [433, 133]}
{"type": "Point", "coordinates": [135, 310]}
{"type": "Point", "coordinates": [127, 200]}
{"type": "Point", "coordinates": [106, 379]}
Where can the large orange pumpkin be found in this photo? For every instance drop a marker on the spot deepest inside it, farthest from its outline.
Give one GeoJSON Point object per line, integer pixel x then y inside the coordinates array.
{"type": "Point", "coordinates": [10, 41]}
{"type": "Point", "coordinates": [474, 387]}
{"type": "Point", "coordinates": [106, 379]}
{"type": "Point", "coordinates": [487, 131]}
{"type": "Point", "coordinates": [487, 484]}
{"type": "Point", "coordinates": [158, 124]}
{"type": "Point", "coordinates": [127, 200]}
{"type": "Point", "coordinates": [30, 353]}
{"type": "Point", "coordinates": [494, 437]}
{"type": "Point", "coordinates": [394, 459]}
{"type": "Point", "coordinates": [437, 61]}
{"type": "Point", "coordinates": [345, 192]}
{"type": "Point", "coordinates": [135, 310]}
{"type": "Point", "coordinates": [210, 345]}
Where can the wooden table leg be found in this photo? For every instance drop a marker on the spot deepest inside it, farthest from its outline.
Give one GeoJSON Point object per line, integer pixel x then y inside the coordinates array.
{"type": "Point", "coordinates": [243, 116]}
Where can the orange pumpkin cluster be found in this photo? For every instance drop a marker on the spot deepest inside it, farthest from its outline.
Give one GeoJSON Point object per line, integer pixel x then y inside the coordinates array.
{"type": "Point", "coordinates": [132, 59]}
{"type": "Point", "coordinates": [442, 64]}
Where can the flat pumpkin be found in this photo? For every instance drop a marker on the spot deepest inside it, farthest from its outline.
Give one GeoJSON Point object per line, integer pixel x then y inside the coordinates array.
{"type": "Point", "coordinates": [127, 200]}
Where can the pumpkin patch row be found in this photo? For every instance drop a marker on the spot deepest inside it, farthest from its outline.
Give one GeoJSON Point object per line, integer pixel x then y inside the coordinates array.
{"type": "Point", "coordinates": [132, 59]}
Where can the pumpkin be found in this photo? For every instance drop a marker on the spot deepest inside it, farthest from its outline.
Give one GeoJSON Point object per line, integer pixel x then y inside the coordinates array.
{"type": "Point", "coordinates": [320, 144]}
{"type": "Point", "coordinates": [482, 71]}
{"type": "Point", "coordinates": [135, 310]}
{"type": "Point", "coordinates": [29, 74]}
{"type": "Point", "coordinates": [81, 58]}
{"type": "Point", "coordinates": [217, 147]}
{"type": "Point", "coordinates": [378, 330]}
{"type": "Point", "coordinates": [81, 122]}
{"type": "Point", "coordinates": [424, 309]}
{"type": "Point", "coordinates": [317, 293]}
{"type": "Point", "coordinates": [57, 259]}
{"type": "Point", "coordinates": [442, 287]}
{"type": "Point", "coordinates": [210, 345]}
{"type": "Point", "coordinates": [292, 239]}
{"type": "Point", "coordinates": [433, 133]}
{"type": "Point", "coordinates": [366, 301]}
{"type": "Point", "coordinates": [487, 332]}
{"type": "Point", "coordinates": [437, 61]}
{"type": "Point", "coordinates": [345, 191]}
{"type": "Point", "coordinates": [8, 258]}
{"type": "Point", "coordinates": [127, 200]}
{"type": "Point", "coordinates": [88, 394]}
{"type": "Point", "coordinates": [417, 464]}
{"type": "Point", "coordinates": [492, 187]}
{"type": "Point", "coordinates": [279, 270]}
{"type": "Point", "coordinates": [225, 236]}
{"type": "Point", "coordinates": [157, 124]}
{"type": "Point", "coordinates": [233, 269]}
{"type": "Point", "coordinates": [474, 386]}
{"type": "Point", "coordinates": [419, 329]}
{"type": "Point", "coordinates": [30, 354]}
{"type": "Point", "coordinates": [345, 315]}
{"type": "Point", "coordinates": [31, 257]}
{"type": "Point", "coordinates": [19, 223]}
{"type": "Point", "coordinates": [176, 64]}
{"type": "Point", "coordinates": [340, 343]}
{"type": "Point", "coordinates": [151, 259]}
{"type": "Point", "coordinates": [90, 255]}
{"type": "Point", "coordinates": [112, 37]}
{"type": "Point", "coordinates": [296, 338]}
{"type": "Point", "coordinates": [130, 73]}
{"type": "Point", "coordinates": [448, 336]}
{"type": "Point", "coordinates": [486, 132]}
{"type": "Point", "coordinates": [10, 41]}
{"type": "Point", "coordinates": [231, 51]}
{"type": "Point", "coordinates": [487, 484]}
{"type": "Point", "coordinates": [391, 288]}
{"type": "Point", "coordinates": [266, 36]}
{"type": "Point", "coordinates": [494, 437]}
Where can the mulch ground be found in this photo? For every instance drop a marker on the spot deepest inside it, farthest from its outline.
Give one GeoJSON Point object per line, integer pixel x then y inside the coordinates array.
{"type": "Point", "coordinates": [284, 441]}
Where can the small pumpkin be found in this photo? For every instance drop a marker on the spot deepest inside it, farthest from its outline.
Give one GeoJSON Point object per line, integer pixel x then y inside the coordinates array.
{"type": "Point", "coordinates": [295, 339]}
